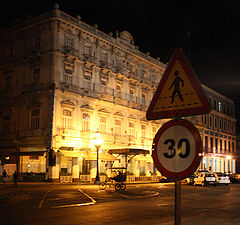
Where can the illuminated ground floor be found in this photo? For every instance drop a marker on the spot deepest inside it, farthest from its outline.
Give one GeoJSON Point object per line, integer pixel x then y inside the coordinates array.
{"type": "Point", "coordinates": [81, 165]}
{"type": "Point", "coordinates": [218, 163]}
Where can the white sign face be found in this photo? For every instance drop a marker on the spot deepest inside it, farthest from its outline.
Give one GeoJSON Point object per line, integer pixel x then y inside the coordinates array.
{"type": "Point", "coordinates": [176, 149]}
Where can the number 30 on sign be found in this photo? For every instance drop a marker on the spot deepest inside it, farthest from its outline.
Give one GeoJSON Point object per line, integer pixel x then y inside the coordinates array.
{"type": "Point", "coordinates": [177, 149]}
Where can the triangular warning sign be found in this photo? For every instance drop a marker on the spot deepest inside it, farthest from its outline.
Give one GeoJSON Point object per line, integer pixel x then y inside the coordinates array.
{"type": "Point", "coordinates": [179, 92]}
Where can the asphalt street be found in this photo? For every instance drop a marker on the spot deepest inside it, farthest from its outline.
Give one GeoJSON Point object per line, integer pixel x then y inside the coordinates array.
{"type": "Point", "coordinates": [63, 204]}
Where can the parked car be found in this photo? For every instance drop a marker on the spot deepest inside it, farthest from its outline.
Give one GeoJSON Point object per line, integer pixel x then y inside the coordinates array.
{"type": "Point", "coordinates": [202, 171]}
{"type": "Point", "coordinates": [205, 179]}
{"type": "Point", "coordinates": [190, 180]}
{"type": "Point", "coordinates": [222, 178]}
{"type": "Point", "coordinates": [234, 178]}
{"type": "Point", "coordinates": [165, 180]}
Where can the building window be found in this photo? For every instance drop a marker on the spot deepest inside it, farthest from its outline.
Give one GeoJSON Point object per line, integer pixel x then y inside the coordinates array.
{"type": "Point", "coordinates": [143, 98]}
{"type": "Point", "coordinates": [86, 122]}
{"type": "Point", "coordinates": [118, 63]}
{"type": "Point", "coordinates": [211, 144]}
{"type": "Point", "coordinates": [131, 92]}
{"type": "Point", "coordinates": [103, 59]}
{"type": "Point", "coordinates": [220, 145]}
{"type": "Point", "coordinates": [206, 144]}
{"type": "Point", "coordinates": [118, 127]}
{"type": "Point", "coordinates": [6, 123]}
{"type": "Point", "coordinates": [215, 104]}
{"type": "Point", "coordinates": [233, 147]}
{"type": "Point", "coordinates": [87, 50]}
{"type": "Point", "coordinates": [216, 144]}
{"type": "Point", "coordinates": [68, 76]}
{"type": "Point", "coordinates": [216, 122]}
{"type": "Point", "coordinates": [103, 124]}
{"type": "Point", "coordinates": [69, 42]}
{"type": "Point", "coordinates": [36, 74]}
{"type": "Point", "coordinates": [143, 130]}
{"type": "Point", "coordinates": [220, 124]}
{"type": "Point", "coordinates": [211, 122]}
{"type": "Point", "coordinates": [35, 118]}
{"type": "Point", "coordinates": [224, 125]}
{"type": "Point", "coordinates": [131, 129]}
{"type": "Point", "coordinates": [67, 118]}
{"type": "Point", "coordinates": [229, 146]}
{"type": "Point", "coordinates": [219, 106]}
{"type": "Point", "coordinates": [103, 82]}
{"type": "Point", "coordinates": [118, 91]}
{"type": "Point", "coordinates": [225, 146]}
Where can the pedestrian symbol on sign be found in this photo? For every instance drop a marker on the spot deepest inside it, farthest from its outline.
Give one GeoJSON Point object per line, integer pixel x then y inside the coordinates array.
{"type": "Point", "coordinates": [176, 84]}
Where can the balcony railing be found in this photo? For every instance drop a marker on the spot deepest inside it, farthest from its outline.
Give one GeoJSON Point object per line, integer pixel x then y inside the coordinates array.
{"type": "Point", "coordinates": [34, 87]}
{"type": "Point", "coordinates": [31, 133]}
{"type": "Point", "coordinates": [94, 89]}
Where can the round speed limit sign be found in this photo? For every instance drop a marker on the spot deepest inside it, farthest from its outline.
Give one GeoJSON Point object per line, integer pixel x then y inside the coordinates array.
{"type": "Point", "coordinates": [177, 149]}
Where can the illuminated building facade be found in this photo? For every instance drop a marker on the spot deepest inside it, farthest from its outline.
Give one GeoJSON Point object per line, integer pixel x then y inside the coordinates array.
{"type": "Point", "coordinates": [219, 134]}
{"type": "Point", "coordinates": [63, 80]}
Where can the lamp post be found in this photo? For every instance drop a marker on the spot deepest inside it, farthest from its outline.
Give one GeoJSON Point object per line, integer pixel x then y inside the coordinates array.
{"type": "Point", "coordinates": [97, 144]}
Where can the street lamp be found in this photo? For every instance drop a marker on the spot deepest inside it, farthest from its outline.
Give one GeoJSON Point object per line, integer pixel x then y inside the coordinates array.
{"type": "Point", "coordinates": [97, 143]}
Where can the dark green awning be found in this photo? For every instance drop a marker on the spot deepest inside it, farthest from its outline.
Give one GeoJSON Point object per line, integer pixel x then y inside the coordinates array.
{"type": "Point", "coordinates": [128, 151]}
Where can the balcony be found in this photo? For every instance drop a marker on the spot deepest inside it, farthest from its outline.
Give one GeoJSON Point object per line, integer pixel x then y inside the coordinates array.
{"type": "Point", "coordinates": [67, 132]}
{"type": "Point", "coordinates": [64, 86]}
{"type": "Point", "coordinates": [31, 133]}
{"type": "Point", "coordinates": [68, 50]}
{"type": "Point", "coordinates": [90, 59]}
{"type": "Point", "coordinates": [32, 87]}
{"type": "Point", "coordinates": [134, 75]}
{"type": "Point", "coordinates": [134, 105]}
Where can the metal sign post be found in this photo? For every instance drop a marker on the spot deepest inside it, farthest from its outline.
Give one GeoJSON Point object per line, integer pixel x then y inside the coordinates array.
{"type": "Point", "coordinates": [177, 202]}
{"type": "Point", "coordinates": [177, 149]}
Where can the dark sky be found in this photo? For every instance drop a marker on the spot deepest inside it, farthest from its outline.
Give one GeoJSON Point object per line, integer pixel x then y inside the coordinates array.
{"type": "Point", "coordinates": [208, 31]}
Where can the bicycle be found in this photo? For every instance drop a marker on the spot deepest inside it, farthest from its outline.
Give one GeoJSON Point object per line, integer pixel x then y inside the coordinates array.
{"type": "Point", "coordinates": [118, 185]}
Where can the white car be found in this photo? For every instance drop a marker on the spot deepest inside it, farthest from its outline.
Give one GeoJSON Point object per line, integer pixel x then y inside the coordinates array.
{"type": "Point", "coordinates": [222, 178]}
{"type": "Point", "coordinates": [205, 179]}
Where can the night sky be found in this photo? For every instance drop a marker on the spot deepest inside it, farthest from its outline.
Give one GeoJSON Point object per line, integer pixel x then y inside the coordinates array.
{"type": "Point", "coordinates": [208, 31]}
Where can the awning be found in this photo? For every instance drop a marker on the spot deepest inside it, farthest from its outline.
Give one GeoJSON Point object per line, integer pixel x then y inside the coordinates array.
{"type": "Point", "coordinates": [128, 151]}
{"type": "Point", "coordinates": [101, 156]}
{"type": "Point", "coordinates": [70, 153]}
{"type": "Point", "coordinates": [146, 158]}
{"type": "Point", "coordinates": [140, 158]}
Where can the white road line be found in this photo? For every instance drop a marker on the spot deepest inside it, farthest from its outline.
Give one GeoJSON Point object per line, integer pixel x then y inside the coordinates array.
{"type": "Point", "coordinates": [43, 199]}
{"type": "Point", "coordinates": [79, 204]}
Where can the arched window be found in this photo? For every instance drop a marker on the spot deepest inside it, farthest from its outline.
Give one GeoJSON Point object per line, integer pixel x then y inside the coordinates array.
{"type": "Point", "coordinates": [35, 118]}
{"type": "Point", "coordinates": [67, 118]}
{"type": "Point", "coordinates": [131, 129]}
{"type": "Point", "coordinates": [103, 124]}
{"type": "Point", "coordinates": [86, 122]}
{"type": "Point", "coordinates": [117, 127]}
{"type": "Point", "coordinates": [143, 130]}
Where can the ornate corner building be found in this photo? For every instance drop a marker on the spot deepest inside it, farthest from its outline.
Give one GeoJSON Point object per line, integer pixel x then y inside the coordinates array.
{"type": "Point", "coordinates": [63, 80]}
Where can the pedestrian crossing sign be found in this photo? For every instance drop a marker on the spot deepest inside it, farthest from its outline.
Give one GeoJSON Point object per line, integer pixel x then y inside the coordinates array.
{"type": "Point", "coordinates": [179, 92]}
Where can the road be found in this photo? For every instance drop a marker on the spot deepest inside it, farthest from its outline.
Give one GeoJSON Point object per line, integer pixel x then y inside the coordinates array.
{"type": "Point", "coordinates": [73, 204]}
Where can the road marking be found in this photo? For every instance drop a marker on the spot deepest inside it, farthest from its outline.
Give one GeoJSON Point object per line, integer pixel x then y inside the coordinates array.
{"type": "Point", "coordinates": [43, 198]}
{"type": "Point", "coordinates": [79, 204]}
{"type": "Point", "coordinates": [154, 193]}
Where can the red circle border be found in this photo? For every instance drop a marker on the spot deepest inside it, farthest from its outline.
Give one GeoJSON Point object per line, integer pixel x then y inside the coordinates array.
{"type": "Point", "coordinates": [198, 154]}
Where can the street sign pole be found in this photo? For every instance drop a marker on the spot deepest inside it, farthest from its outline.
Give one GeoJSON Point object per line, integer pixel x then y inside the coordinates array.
{"type": "Point", "coordinates": [177, 146]}
{"type": "Point", "coordinates": [177, 202]}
